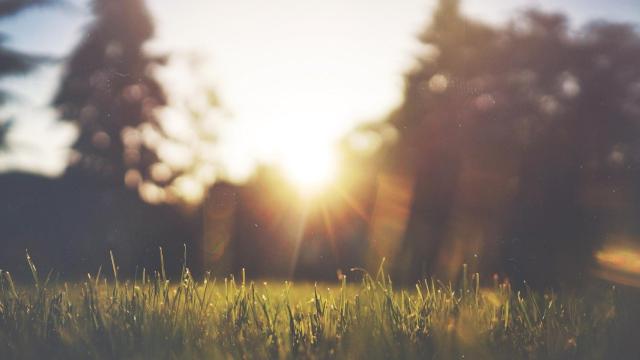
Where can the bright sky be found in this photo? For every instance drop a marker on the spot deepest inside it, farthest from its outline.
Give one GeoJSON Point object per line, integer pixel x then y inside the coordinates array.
{"type": "Point", "coordinates": [309, 68]}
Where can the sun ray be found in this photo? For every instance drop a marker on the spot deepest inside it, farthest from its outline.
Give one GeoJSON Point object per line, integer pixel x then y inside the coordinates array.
{"type": "Point", "coordinates": [298, 237]}
{"type": "Point", "coordinates": [326, 219]}
{"type": "Point", "coordinates": [353, 204]}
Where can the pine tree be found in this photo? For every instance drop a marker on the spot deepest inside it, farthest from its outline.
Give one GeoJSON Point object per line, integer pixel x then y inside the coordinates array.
{"type": "Point", "coordinates": [108, 89]}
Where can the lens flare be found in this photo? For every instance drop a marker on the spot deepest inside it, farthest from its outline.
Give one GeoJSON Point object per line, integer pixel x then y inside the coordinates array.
{"type": "Point", "coordinates": [619, 264]}
{"type": "Point", "coordinates": [621, 259]}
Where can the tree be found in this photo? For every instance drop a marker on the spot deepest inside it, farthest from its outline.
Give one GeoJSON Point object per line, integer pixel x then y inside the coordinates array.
{"type": "Point", "coordinates": [434, 125]}
{"type": "Point", "coordinates": [108, 89]}
{"type": "Point", "coordinates": [184, 137]}
{"type": "Point", "coordinates": [515, 137]}
{"type": "Point", "coordinates": [13, 62]}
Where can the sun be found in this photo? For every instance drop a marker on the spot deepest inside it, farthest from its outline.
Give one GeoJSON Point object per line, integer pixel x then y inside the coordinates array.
{"type": "Point", "coordinates": [302, 145]}
{"type": "Point", "coordinates": [310, 169]}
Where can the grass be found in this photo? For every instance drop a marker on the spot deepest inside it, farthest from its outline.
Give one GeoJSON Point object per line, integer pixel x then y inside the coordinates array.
{"type": "Point", "coordinates": [151, 317]}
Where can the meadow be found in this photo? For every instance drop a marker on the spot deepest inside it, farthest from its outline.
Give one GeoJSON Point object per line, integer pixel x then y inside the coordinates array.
{"type": "Point", "coordinates": [151, 317]}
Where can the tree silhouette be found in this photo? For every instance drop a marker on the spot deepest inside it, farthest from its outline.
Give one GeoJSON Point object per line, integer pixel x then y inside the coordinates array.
{"type": "Point", "coordinates": [13, 62]}
{"type": "Point", "coordinates": [12, 7]}
{"type": "Point", "coordinates": [522, 141]}
{"type": "Point", "coordinates": [108, 89]}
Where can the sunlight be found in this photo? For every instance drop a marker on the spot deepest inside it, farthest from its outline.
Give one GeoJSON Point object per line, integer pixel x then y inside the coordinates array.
{"type": "Point", "coordinates": [304, 152]}
{"type": "Point", "coordinates": [299, 140]}
{"type": "Point", "coordinates": [309, 170]}
{"type": "Point", "coordinates": [625, 259]}
{"type": "Point", "coordinates": [619, 261]}
{"type": "Point", "coordinates": [293, 87]}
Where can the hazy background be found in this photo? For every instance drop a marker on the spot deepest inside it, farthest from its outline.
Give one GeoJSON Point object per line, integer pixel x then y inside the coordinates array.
{"type": "Point", "coordinates": [302, 138]}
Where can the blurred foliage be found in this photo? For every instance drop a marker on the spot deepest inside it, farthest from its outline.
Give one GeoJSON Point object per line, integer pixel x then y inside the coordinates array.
{"type": "Point", "coordinates": [14, 62]}
{"type": "Point", "coordinates": [108, 88]}
{"type": "Point", "coordinates": [146, 122]}
{"type": "Point", "coordinates": [13, 7]}
{"type": "Point", "coordinates": [516, 150]}
{"type": "Point", "coordinates": [184, 136]}
{"type": "Point", "coordinates": [524, 143]}
{"type": "Point", "coordinates": [110, 92]}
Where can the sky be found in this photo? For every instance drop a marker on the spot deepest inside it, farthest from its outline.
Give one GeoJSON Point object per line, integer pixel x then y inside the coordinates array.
{"type": "Point", "coordinates": [291, 73]}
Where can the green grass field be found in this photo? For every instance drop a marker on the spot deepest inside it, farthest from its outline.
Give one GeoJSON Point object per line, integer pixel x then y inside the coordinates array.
{"type": "Point", "coordinates": [152, 318]}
